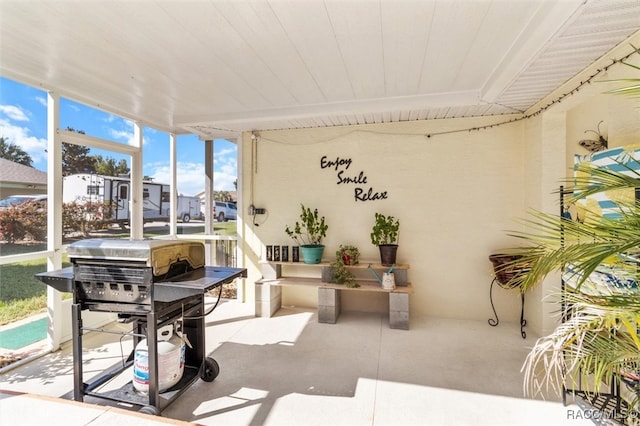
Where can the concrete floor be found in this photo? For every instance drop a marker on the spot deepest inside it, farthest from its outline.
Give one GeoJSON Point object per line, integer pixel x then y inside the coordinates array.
{"type": "Point", "coordinates": [291, 370]}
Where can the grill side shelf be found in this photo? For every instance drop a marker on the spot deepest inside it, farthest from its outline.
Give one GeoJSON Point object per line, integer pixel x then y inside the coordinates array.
{"type": "Point", "coordinates": [196, 282]}
{"type": "Point", "coordinates": [60, 279]}
{"type": "Point", "coordinates": [192, 283]}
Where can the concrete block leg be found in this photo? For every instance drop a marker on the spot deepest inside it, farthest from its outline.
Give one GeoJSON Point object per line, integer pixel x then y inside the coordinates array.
{"type": "Point", "coordinates": [271, 271]}
{"type": "Point", "coordinates": [328, 305]}
{"type": "Point", "coordinates": [399, 311]}
{"type": "Point", "coordinates": [268, 300]}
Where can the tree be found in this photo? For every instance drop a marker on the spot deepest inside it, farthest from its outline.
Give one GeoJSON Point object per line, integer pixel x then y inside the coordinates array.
{"type": "Point", "coordinates": [222, 196]}
{"type": "Point", "coordinates": [14, 153]}
{"type": "Point", "coordinates": [109, 167]}
{"type": "Point", "coordinates": [75, 158]}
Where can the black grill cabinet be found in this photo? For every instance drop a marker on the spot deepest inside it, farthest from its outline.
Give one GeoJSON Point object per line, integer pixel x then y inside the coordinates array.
{"type": "Point", "coordinates": [149, 284]}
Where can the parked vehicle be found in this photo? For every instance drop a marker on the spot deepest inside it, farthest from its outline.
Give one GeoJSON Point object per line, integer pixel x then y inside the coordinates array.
{"type": "Point", "coordinates": [16, 200]}
{"type": "Point", "coordinates": [189, 208]}
{"type": "Point", "coordinates": [86, 188]}
{"type": "Point", "coordinates": [224, 211]}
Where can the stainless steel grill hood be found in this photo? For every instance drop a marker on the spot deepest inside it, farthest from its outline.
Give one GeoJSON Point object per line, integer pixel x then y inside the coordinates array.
{"type": "Point", "coordinates": [159, 255]}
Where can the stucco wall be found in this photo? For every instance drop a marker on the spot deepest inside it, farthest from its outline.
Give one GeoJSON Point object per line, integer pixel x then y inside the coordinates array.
{"type": "Point", "coordinates": [455, 196]}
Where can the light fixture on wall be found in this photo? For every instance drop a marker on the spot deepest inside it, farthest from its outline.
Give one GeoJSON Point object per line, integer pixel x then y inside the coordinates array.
{"type": "Point", "coordinates": [593, 145]}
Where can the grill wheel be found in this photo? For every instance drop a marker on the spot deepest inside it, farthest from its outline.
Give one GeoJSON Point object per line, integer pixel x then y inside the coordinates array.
{"type": "Point", "coordinates": [150, 409]}
{"type": "Point", "coordinates": [211, 370]}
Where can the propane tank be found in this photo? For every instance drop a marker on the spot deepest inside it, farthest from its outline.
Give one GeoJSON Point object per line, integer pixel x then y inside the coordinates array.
{"type": "Point", "coordinates": [171, 353]}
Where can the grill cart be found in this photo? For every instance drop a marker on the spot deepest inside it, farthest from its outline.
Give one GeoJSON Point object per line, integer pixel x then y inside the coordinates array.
{"type": "Point", "coordinates": [153, 285]}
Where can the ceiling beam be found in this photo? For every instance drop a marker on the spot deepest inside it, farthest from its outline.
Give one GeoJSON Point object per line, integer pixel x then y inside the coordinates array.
{"type": "Point", "coordinates": [463, 98]}
{"type": "Point", "coordinates": [548, 20]}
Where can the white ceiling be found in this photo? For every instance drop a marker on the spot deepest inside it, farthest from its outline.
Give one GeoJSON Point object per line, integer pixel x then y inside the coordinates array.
{"type": "Point", "coordinates": [217, 68]}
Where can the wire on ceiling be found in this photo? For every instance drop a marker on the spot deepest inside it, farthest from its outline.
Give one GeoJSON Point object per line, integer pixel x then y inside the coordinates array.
{"type": "Point", "coordinates": [549, 105]}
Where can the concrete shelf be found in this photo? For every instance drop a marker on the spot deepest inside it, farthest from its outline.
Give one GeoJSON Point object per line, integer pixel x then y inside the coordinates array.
{"type": "Point", "coordinates": [269, 290]}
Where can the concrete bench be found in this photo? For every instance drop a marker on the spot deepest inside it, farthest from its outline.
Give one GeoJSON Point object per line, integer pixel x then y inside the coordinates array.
{"type": "Point", "coordinates": [269, 295]}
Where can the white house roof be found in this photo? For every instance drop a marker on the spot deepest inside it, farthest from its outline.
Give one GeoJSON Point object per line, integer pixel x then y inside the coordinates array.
{"type": "Point", "coordinates": [218, 67]}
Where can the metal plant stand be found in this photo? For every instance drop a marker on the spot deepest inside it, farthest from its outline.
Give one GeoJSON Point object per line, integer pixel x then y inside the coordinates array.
{"type": "Point", "coordinates": [505, 271]}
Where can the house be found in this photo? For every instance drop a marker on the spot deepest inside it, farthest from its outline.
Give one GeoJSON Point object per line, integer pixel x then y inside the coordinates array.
{"type": "Point", "coordinates": [17, 179]}
{"type": "Point", "coordinates": [456, 117]}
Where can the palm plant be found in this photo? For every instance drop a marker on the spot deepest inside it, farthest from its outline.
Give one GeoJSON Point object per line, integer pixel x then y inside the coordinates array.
{"type": "Point", "coordinates": [632, 85]}
{"type": "Point", "coordinates": [599, 258]}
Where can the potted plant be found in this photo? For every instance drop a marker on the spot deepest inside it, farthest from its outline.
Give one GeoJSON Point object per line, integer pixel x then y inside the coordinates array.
{"type": "Point", "coordinates": [348, 255]}
{"type": "Point", "coordinates": [308, 233]}
{"type": "Point", "coordinates": [345, 256]}
{"type": "Point", "coordinates": [384, 234]}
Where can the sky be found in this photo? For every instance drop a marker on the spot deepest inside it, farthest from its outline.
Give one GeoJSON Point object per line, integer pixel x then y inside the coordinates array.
{"type": "Point", "coordinates": [23, 122]}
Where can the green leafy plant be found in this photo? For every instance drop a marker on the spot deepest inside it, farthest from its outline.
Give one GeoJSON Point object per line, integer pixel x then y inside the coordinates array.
{"type": "Point", "coordinates": [385, 230]}
{"type": "Point", "coordinates": [348, 254]}
{"type": "Point", "coordinates": [598, 337]}
{"type": "Point", "coordinates": [311, 228]}
{"type": "Point", "coordinates": [345, 255]}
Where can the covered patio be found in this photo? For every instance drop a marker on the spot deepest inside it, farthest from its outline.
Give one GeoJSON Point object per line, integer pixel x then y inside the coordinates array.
{"type": "Point", "coordinates": [290, 369]}
{"type": "Point", "coordinates": [457, 117]}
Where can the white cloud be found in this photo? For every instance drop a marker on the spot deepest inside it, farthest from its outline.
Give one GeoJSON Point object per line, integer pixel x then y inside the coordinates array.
{"type": "Point", "coordinates": [122, 135]}
{"type": "Point", "coordinates": [126, 134]}
{"type": "Point", "coordinates": [191, 177]}
{"type": "Point", "coordinates": [13, 112]}
{"type": "Point", "coordinates": [19, 136]}
{"type": "Point", "coordinates": [225, 152]}
{"type": "Point", "coordinates": [225, 173]}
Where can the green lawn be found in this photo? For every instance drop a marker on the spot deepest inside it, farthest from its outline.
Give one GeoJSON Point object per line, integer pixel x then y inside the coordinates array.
{"type": "Point", "coordinates": [22, 295]}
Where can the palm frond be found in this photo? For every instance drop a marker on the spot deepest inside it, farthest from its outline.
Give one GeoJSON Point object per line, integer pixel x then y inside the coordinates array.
{"type": "Point", "coordinates": [596, 340]}
{"type": "Point", "coordinates": [550, 242]}
{"type": "Point", "coordinates": [598, 336]}
{"type": "Point", "coordinates": [633, 89]}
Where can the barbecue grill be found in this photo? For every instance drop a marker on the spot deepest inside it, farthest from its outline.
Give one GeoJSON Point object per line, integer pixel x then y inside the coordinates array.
{"type": "Point", "coordinates": [150, 284]}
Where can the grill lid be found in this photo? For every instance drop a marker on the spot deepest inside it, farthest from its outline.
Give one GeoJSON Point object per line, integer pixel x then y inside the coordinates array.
{"type": "Point", "coordinates": [157, 254]}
